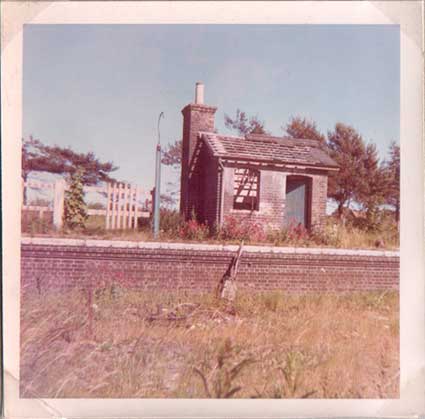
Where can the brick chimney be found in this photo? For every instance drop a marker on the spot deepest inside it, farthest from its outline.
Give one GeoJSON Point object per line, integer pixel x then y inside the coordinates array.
{"type": "Point", "coordinates": [196, 117]}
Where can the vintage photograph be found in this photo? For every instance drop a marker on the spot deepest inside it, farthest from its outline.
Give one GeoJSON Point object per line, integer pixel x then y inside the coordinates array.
{"type": "Point", "coordinates": [210, 211]}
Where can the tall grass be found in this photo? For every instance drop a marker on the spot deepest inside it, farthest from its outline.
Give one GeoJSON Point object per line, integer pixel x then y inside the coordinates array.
{"type": "Point", "coordinates": [276, 346]}
{"type": "Point", "coordinates": [334, 233]}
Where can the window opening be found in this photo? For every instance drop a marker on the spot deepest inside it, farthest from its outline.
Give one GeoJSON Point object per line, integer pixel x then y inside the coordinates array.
{"type": "Point", "coordinates": [246, 189]}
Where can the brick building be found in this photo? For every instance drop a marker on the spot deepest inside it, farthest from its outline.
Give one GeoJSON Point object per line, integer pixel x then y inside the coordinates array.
{"type": "Point", "coordinates": [270, 180]}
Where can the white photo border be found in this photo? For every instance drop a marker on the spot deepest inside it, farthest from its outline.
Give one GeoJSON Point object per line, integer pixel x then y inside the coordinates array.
{"type": "Point", "coordinates": [406, 14]}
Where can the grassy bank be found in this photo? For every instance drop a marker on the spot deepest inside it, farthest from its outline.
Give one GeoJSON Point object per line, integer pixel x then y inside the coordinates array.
{"type": "Point", "coordinates": [139, 344]}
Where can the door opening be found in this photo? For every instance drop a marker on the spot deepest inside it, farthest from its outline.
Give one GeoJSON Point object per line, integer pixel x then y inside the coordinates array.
{"type": "Point", "coordinates": [297, 203]}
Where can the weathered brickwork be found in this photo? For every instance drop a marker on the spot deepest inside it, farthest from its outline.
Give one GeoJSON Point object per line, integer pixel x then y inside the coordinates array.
{"type": "Point", "coordinates": [271, 212]}
{"type": "Point", "coordinates": [196, 118]}
{"type": "Point", "coordinates": [207, 174]}
{"type": "Point", "coordinates": [66, 264]}
{"type": "Point", "coordinates": [318, 200]}
{"type": "Point", "coordinates": [271, 209]}
{"type": "Point", "coordinates": [205, 182]}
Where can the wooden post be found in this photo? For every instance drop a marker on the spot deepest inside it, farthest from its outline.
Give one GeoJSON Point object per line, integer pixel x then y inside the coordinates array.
{"type": "Point", "coordinates": [58, 203]}
{"type": "Point", "coordinates": [136, 207]}
{"type": "Point", "coordinates": [113, 221]}
{"type": "Point", "coordinates": [130, 204]}
{"type": "Point", "coordinates": [108, 206]}
{"type": "Point", "coordinates": [226, 288]}
{"type": "Point", "coordinates": [125, 200]}
{"type": "Point", "coordinates": [119, 206]}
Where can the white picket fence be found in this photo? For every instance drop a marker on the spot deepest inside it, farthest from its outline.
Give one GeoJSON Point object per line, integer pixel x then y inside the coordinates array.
{"type": "Point", "coordinates": [125, 203]}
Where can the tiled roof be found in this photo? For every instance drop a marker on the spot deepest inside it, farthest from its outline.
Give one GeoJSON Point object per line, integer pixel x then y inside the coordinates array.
{"type": "Point", "coordinates": [264, 148]}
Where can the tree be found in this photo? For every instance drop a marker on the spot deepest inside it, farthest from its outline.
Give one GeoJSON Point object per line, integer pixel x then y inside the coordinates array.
{"type": "Point", "coordinates": [302, 128]}
{"type": "Point", "coordinates": [349, 151]}
{"type": "Point", "coordinates": [37, 156]}
{"type": "Point", "coordinates": [172, 154]}
{"type": "Point", "coordinates": [243, 124]}
{"type": "Point", "coordinates": [392, 171]}
{"type": "Point", "coordinates": [75, 214]}
{"type": "Point", "coordinates": [373, 187]}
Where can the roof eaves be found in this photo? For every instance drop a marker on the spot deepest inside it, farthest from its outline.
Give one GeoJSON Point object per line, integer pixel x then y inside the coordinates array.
{"type": "Point", "coordinates": [322, 166]}
{"type": "Point", "coordinates": [203, 136]}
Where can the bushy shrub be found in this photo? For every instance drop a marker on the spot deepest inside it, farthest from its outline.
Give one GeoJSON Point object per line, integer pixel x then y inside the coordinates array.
{"type": "Point", "coordinates": [327, 235]}
{"type": "Point", "coordinates": [170, 222]}
{"type": "Point", "coordinates": [75, 210]}
{"type": "Point", "coordinates": [294, 234]}
{"type": "Point", "coordinates": [192, 230]}
{"type": "Point", "coordinates": [356, 234]}
{"type": "Point", "coordinates": [235, 228]}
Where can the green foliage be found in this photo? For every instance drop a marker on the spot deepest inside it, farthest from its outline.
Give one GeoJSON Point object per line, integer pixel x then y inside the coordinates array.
{"type": "Point", "coordinates": [235, 228]}
{"type": "Point", "coordinates": [244, 124]}
{"type": "Point", "coordinates": [219, 379]}
{"type": "Point", "coordinates": [193, 230]}
{"type": "Point", "coordinates": [170, 222]}
{"type": "Point", "coordinates": [375, 185]}
{"type": "Point", "coordinates": [37, 156]}
{"type": "Point", "coordinates": [172, 154]}
{"type": "Point", "coordinates": [392, 172]}
{"type": "Point", "coordinates": [305, 129]}
{"type": "Point", "coordinates": [360, 177]}
{"type": "Point", "coordinates": [75, 214]}
{"type": "Point", "coordinates": [293, 234]}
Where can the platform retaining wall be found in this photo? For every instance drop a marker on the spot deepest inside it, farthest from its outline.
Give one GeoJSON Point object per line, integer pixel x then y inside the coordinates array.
{"type": "Point", "coordinates": [60, 264]}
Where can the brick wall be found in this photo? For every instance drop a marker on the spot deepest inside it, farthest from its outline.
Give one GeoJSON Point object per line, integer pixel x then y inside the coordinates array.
{"type": "Point", "coordinates": [204, 188]}
{"type": "Point", "coordinates": [195, 118]}
{"type": "Point", "coordinates": [57, 264]}
{"type": "Point", "coordinates": [272, 198]}
{"type": "Point", "coordinates": [318, 199]}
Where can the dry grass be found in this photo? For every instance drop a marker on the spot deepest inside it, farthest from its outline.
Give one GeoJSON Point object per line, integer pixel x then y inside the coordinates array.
{"type": "Point", "coordinates": [276, 346]}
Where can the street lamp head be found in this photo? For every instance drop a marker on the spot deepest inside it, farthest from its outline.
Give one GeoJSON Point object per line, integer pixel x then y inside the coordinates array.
{"type": "Point", "coordinates": [161, 115]}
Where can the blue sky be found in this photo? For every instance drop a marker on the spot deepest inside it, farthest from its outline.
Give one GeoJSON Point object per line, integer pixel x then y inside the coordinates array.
{"type": "Point", "coordinates": [101, 88]}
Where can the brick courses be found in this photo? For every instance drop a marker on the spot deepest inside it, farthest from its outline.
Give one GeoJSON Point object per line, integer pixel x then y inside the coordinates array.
{"type": "Point", "coordinates": [210, 159]}
{"type": "Point", "coordinates": [58, 264]}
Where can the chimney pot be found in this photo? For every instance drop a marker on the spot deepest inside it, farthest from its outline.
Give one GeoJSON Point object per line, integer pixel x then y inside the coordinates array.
{"type": "Point", "coordinates": [199, 93]}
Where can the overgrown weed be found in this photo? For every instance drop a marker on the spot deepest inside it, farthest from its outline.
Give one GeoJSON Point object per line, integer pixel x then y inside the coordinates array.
{"type": "Point", "coordinates": [311, 345]}
{"type": "Point", "coordinates": [334, 233]}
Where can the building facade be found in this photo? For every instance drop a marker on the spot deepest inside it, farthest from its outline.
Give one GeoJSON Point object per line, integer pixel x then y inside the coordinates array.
{"type": "Point", "coordinates": [274, 181]}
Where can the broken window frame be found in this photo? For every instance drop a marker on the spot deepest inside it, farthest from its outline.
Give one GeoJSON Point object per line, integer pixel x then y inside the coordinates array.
{"type": "Point", "coordinates": [249, 177]}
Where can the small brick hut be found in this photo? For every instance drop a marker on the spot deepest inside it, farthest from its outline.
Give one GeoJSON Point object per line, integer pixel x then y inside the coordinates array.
{"type": "Point", "coordinates": [275, 181]}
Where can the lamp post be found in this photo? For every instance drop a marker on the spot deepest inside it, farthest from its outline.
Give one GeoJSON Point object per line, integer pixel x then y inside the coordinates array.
{"type": "Point", "coordinates": [157, 182]}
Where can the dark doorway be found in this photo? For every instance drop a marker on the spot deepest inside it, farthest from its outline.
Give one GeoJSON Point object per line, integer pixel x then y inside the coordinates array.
{"type": "Point", "coordinates": [297, 201]}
